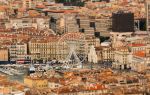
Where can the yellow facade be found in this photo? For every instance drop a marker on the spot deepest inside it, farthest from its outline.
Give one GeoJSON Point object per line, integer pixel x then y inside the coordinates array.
{"type": "Point", "coordinates": [39, 83]}
{"type": "Point", "coordinates": [3, 54]}
{"type": "Point", "coordinates": [5, 90]}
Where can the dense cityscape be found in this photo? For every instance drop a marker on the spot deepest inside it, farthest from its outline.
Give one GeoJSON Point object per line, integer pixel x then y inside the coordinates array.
{"type": "Point", "coordinates": [74, 47]}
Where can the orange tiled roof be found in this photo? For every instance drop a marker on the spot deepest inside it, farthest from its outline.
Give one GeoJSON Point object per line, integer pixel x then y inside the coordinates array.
{"type": "Point", "coordinates": [21, 9]}
{"type": "Point", "coordinates": [62, 11]}
{"type": "Point", "coordinates": [40, 6]}
{"type": "Point", "coordinates": [2, 9]}
{"type": "Point", "coordinates": [33, 13]}
{"type": "Point", "coordinates": [96, 87]}
{"type": "Point", "coordinates": [140, 54]}
{"type": "Point", "coordinates": [136, 45]}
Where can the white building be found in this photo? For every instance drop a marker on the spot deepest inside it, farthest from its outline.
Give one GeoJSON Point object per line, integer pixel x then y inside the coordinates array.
{"type": "Point", "coordinates": [121, 56]}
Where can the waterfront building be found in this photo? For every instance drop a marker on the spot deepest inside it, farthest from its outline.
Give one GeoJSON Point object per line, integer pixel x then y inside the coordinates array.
{"type": "Point", "coordinates": [44, 49]}
{"type": "Point", "coordinates": [18, 52]}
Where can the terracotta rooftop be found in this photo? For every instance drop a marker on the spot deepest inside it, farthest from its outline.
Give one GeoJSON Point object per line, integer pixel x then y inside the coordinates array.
{"type": "Point", "coordinates": [140, 54]}
{"type": "Point", "coordinates": [136, 45]}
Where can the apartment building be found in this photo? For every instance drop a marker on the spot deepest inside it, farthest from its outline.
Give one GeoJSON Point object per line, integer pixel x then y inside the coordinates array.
{"type": "Point", "coordinates": [18, 52]}
{"type": "Point", "coordinates": [84, 25]}
{"type": "Point", "coordinates": [103, 26]}
{"type": "Point", "coordinates": [134, 47]}
{"type": "Point", "coordinates": [141, 60]}
{"type": "Point", "coordinates": [3, 13]}
{"type": "Point", "coordinates": [46, 49]}
{"type": "Point", "coordinates": [95, 89]}
{"type": "Point", "coordinates": [19, 23]}
{"type": "Point", "coordinates": [28, 4]}
{"type": "Point", "coordinates": [36, 82]}
{"type": "Point", "coordinates": [4, 55]}
{"type": "Point", "coordinates": [64, 23]}
{"type": "Point", "coordinates": [71, 23]}
{"type": "Point", "coordinates": [108, 54]}
{"type": "Point", "coordinates": [121, 56]}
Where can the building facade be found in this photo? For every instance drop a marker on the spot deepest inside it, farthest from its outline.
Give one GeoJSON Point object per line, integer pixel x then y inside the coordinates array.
{"type": "Point", "coordinates": [36, 82]}
{"type": "Point", "coordinates": [4, 57]}
{"type": "Point", "coordinates": [18, 52]}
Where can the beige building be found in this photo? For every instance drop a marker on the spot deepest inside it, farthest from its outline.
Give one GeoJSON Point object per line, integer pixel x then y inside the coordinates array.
{"type": "Point", "coordinates": [18, 51]}
{"type": "Point", "coordinates": [105, 53]}
{"type": "Point", "coordinates": [108, 53]}
{"type": "Point", "coordinates": [3, 54]}
{"type": "Point", "coordinates": [121, 56]}
{"type": "Point", "coordinates": [36, 82]}
{"type": "Point", "coordinates": [103, 25]}
{"type": "Point", "coordinates": [141, 60]}
{"type": "Point", "coordinates": [47, 49]}
{"type": "Point", "coordinates": [54, 47]}
{"type": "Point", "coordinates": [28, 3]}
{"type": "Point", "coordinates": [93, 41]}
{"type": "Point", "coordinates": [117, 38]}
{"type": "Point", "coordinates": [99, 53]}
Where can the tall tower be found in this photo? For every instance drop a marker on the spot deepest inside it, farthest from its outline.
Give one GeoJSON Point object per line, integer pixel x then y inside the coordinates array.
{"type": "Point", "coordinates": [122, 27]}
{"type": "Point", "coordinates": [148, 15]}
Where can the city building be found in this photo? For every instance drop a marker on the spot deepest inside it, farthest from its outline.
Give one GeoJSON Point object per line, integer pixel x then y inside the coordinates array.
{"type": "Point", "coordinates": [103, 26]}
{"type": "Point", "coordinates": [108, 54]}
{"type": "Point", "coordinates": [93, 89]}
{"type": "Point", "coordinates": [44, 49]}
{"type": "Point", "coordinates": [122, 22]}
{"type": "Point", "coordinates": [3, 13]}
{"type": "Point", "coordinates": [122, 27]}
{"type": "Point", "coordinates": [84, 25]}
{"type": "Point", "coordinates": [122, 57]}
{"type": "Point", "coordinates": [4, 56]}
{"type": "Point", "coordinates": [55, 82]}
{"type": "Point", "coordinates": [18, 53]}
{"type": "Point", "coordinates": [36, 82]}
{"type": "Point", "coordinates": [28, 4]}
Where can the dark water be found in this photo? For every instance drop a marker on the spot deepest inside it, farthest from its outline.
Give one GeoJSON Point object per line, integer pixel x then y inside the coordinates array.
{"type": "Point", "coordinates": [19, 78]}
